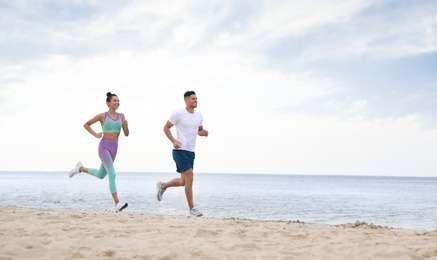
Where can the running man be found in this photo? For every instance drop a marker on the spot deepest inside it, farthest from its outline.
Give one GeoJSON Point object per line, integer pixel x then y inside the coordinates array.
{"type": "Point", "coordinates": [189, 125]}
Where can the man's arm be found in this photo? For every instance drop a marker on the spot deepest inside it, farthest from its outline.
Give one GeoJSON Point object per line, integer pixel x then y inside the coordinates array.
{"type": "Point", "coordinates": [202, 132]}
{"type": "Point", "coordinates": [167, 126]}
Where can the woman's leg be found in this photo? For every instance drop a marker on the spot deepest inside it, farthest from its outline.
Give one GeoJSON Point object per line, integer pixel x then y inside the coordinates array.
{"type": "Point", "coordinates": [99, 173]}
{"type": "Point", "coordinates": [109, 167]}
{"type": "Point", "coordinates": [107, 152]}
{"type": "Point", "coordinates": [108, 157]}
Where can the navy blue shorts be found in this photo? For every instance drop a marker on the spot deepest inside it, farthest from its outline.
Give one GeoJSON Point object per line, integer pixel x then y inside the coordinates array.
{"type": "Point", "coordinates": [184, 160]}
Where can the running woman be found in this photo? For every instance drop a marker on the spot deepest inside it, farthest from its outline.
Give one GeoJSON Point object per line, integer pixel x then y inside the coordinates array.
{"type": "Point", "coordinates": [112, 123]}
{"type": "Point", "coordinates": [189, 125]}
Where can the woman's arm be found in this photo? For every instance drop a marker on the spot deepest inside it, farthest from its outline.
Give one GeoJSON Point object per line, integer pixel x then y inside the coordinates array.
{"type": "Point", "coordinates": [96, 118]}
{"type": "Point", "coordinates": [125, 125]}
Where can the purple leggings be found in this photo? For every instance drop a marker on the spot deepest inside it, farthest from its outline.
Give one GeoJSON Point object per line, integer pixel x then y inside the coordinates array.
{"type": "Point", "coordinates": [107, 152]}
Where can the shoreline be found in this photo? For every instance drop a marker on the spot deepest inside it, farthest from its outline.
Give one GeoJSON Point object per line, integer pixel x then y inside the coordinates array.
{"type": "Point", "coordinates": [41, 233]}
{"type": "Point", "coordinates": [353, 224]}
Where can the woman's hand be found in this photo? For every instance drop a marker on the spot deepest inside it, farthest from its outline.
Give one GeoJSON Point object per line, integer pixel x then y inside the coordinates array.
{"type": "Point", "coordinates": [125, 127]}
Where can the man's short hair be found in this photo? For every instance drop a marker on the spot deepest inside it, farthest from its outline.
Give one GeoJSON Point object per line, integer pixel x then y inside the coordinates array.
{"type": "Point", "coordinates": [189, 93]}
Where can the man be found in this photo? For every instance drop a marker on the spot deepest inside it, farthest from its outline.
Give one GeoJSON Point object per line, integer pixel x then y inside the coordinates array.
{"type": "Point", "coordinates": [189, 124]}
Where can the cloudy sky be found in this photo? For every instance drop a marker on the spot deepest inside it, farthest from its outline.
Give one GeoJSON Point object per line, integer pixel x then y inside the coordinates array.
{"type": "Point", "coordinates": [289, 87]}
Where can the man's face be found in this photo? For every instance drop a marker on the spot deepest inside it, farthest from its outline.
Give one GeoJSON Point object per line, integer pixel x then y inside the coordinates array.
{"type": "Point", "coordinates": [191, 101]}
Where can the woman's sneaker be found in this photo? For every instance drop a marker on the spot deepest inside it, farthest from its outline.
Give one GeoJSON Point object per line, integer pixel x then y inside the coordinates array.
{"type": "Point", "coordinates": [76, 169]}
{"type": "Point", "coordinates": [120, 206]}
{"type": "Point", "coordinates": [195, 213]}
{"type": "Point", "coordinates": [159, 190]}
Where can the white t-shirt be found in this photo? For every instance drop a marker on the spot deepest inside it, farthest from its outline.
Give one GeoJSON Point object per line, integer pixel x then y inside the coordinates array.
{"type": "Point", "coordinates": [187, 126]}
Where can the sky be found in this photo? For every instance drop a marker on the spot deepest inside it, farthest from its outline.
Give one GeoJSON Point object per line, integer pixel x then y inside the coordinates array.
{"type": "Point", "coordinates": [345, 87]}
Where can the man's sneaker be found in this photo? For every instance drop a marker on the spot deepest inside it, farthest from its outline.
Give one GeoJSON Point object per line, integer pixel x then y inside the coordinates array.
{"type": "Point", "coordinates": [159, 190]}
{"type": "Point", "coordinates": [76, 169]}
{"type": "Point", "coordinates": [195, 213]}
{"type": "Point", "coordinates": [120, 206]}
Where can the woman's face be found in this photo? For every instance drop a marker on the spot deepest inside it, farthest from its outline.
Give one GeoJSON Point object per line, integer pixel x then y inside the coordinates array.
{"type": "Point", "coordinates": [114, 103]}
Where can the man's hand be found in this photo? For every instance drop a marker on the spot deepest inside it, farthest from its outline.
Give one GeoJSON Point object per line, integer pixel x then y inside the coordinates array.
{"type": "Point", "coordinates": [203, 132]}
{"type": "Point", "coordinates": [177, 144]}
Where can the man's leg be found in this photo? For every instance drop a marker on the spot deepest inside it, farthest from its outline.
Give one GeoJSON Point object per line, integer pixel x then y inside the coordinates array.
{"type": "Point", "coordinates": [176, 182]}
{"type": "Point", "coordinates": [188, 180]}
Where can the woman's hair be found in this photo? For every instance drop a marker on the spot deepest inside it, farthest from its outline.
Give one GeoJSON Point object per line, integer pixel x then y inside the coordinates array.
{"type": "Point", "coordinates": [109, 95]}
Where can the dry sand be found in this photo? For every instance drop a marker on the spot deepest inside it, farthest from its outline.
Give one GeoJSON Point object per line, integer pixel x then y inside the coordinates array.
{"type": "Point", "coordinates": [27, 233]}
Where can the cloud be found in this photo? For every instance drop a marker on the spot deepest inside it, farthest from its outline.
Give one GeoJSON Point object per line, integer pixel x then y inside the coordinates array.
{"type": "Point", "coordinates": [273, 79]}
{"type": "Point", "coordinates": [380, 31]}
{"type": "Point", "coordinates": [10, 77]}
{"type": "Point", "coordinates": [335, 30]}
{"type": "Point", "coordinates": [302, 144]}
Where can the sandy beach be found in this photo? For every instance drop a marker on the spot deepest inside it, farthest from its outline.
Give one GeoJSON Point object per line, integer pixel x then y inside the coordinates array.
{"type": "Point", "coordinates": [28, 233]}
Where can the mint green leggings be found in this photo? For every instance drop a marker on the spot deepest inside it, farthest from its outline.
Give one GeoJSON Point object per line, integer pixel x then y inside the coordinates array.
{"type": "Point", "coordinates": [107, 152]}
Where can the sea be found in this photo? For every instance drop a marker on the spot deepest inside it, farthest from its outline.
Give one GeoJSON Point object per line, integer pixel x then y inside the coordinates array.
{"type": "Point", "coordinates": [398, 202]}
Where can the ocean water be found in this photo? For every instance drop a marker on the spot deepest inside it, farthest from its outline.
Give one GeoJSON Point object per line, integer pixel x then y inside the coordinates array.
{"type": "Point", "coordinates": [400, 202]}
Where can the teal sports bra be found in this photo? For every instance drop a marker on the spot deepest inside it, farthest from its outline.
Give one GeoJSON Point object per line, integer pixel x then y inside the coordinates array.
{"type": "Point", "coordinates": [110, 125]}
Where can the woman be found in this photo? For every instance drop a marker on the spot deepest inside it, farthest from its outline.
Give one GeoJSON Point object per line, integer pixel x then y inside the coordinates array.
{"type": "Point", "coordinates": [111, 122]}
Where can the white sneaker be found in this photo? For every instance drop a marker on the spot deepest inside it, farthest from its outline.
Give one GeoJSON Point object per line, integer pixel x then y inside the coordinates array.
{"type": "Point", "coordinates": [76, 169]}
{"type": "Point", "coordinates": [159, 190]}
{"type": "Point", "coordinates": [120, 206]}
{"type": "Point", "coordinates": [195, 213]}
